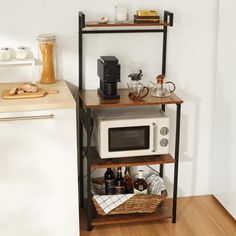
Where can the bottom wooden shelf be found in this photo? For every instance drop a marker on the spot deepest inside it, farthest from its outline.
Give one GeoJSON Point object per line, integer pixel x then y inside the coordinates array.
{"type": "Point", "coordinates": [163, 212]}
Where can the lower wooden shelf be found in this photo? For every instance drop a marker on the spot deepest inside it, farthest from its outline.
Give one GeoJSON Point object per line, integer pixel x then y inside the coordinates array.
{"type": "Point", "coordinates": [97, 162]}
{"type": "Point", "coordinates": [163, 212]}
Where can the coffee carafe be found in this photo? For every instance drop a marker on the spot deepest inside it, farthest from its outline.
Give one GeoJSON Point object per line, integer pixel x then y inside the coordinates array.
{"type": "Point", "coordinates": [136, 89]}
{"type": "Point", "coordinates": [162, 88]}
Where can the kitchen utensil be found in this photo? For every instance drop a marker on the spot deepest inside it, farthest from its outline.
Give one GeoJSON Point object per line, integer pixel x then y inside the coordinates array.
{"type": "Point", "coordinates": [161, 88]}
{"type": "Point", "coordinates": [137, 90]}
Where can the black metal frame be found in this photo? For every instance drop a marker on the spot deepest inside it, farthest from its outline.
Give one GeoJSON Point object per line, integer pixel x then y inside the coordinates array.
{"type": "Point", "coordinates": [85, 119]}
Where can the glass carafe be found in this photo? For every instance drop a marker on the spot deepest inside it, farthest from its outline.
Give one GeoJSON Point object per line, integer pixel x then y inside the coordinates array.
{"type": "Point", "coordinates": [162, 88]}
{"type": "Point", "coordinates": [47, 49]}
{"type": "Point", "coordinates": [136, 89]}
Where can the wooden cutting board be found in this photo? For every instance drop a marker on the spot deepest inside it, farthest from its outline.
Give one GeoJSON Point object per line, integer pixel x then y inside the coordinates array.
{"type": "Point", "coordinates": [40, 93]}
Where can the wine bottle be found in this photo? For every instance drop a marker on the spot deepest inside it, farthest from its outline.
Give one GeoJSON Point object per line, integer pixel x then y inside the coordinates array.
{"type": "Point", "coordinates": [128, 181]}
{"type": "Point", "coordinates": [119, 182]}
{"type": "Point", "coordinates": [109, 177]}
{"type": "Point", "coordinates": [140, 185]}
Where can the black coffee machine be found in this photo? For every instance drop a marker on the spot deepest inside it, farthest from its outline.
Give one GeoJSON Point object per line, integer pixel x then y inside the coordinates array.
{"type": "Point", "coordinates": [109, 73]}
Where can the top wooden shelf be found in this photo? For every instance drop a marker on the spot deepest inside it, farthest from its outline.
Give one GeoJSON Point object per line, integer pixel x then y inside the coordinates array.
{"type": "Point", "coordinates": [91, 99]}
{"type": "Point", "coordinates": [116, 24]}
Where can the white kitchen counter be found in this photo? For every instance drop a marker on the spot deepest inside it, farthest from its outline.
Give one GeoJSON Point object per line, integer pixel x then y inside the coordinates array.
{"type": "Point", "coordinates": [62, 100]}
{"type": "Point", "coordinates": [38, 164]}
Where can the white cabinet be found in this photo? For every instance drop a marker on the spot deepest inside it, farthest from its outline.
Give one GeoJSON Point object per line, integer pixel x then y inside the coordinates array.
{"type": "Point", "coordinates": [38, 173]}
{"type": "Point", "coordinates": [223, 173]}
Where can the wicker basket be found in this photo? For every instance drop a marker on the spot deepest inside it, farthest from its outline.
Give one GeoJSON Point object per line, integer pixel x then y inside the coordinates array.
{"type": "Point", "coordinates": [140, 203]}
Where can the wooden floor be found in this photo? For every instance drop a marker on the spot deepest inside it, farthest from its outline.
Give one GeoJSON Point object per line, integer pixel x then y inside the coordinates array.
{"type": "Point", "coordinates": [202, 216]}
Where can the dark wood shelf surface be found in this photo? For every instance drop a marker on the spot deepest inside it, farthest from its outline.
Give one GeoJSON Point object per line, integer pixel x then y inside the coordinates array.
{"type": "Point", "coordinates": [118, 24]}
{"type": "Point", "coordinates": [97, 162]}
{"type": "Point", "coordinates": [163, 212]}
{"type": "Point", "coordinates": [91, 99]}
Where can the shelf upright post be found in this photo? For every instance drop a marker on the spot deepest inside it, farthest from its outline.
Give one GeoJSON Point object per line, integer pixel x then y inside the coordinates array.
{"type": "Point", "coordinates": [79, 122]}
{"type": "Point", "coordinates": [168, 21]}
{"type": "Point", "coordinates": [89, 158]}
{"type": "Point", "coordinates": [176, 169]}
{"type": "Point", "coordinates": [81, 26]}
{"type": "Point", "coordinates": [164, 49]}
{"type": "Point", "coordinates": [164, 45]}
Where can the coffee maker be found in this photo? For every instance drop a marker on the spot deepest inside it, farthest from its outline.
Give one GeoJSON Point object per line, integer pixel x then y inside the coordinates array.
{"type": "Point", "coordinates": [108, 70]}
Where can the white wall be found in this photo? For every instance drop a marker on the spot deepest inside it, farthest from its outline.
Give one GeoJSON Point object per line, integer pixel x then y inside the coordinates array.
{"type": "Point", "coordinates": [190, 61]}
{"type": "Point", "coordinates": [224, 148]}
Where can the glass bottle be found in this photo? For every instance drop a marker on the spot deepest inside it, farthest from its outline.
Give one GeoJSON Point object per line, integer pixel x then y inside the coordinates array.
{"type": "Point", "coordinates": [128, 181]}
{"type": "Point", "coordinates": [47, 49]}
{"type": "Point", "coordinates": [109, 177]}
{"type": "Point", "coordinates": [140, 184]}
{"type": "Point", "coordinates": [119, 182]}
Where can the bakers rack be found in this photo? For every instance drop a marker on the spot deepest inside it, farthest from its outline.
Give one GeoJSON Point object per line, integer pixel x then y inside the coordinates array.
{"type": "Point", "coordinates": [89, 99]}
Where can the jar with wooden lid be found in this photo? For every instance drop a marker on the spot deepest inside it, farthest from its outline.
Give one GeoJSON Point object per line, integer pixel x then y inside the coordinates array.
{"type": "Point", "coordinates": [47, 52]}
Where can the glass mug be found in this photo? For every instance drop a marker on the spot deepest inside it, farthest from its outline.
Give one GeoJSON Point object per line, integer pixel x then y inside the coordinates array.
{"type": "Point", "coordinates": [121, 14]}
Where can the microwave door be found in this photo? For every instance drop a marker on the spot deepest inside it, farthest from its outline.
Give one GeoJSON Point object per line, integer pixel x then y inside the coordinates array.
{"type": "Point", "coordinates": [129, 138]}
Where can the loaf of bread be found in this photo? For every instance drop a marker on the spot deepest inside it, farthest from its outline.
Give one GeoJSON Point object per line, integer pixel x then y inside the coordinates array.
{"type": "Point", "coordinates": [25, 88]}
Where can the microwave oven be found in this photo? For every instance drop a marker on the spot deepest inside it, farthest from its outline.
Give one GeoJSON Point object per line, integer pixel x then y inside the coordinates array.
{"type": "Point", "coordinates": [126, 132]}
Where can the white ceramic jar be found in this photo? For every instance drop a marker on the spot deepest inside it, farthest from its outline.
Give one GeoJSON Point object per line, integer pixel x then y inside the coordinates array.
{"type": "Point", "coordinates": [23, 53]}
{"type": "Point", "coordinates": [7, 54]}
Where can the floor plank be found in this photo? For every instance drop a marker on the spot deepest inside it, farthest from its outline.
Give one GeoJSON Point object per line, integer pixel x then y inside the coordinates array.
{"type": "Point", "coordinates": [201, 216]}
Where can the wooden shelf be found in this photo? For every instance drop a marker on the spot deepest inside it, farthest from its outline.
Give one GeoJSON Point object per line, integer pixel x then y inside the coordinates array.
{"type": "Point", "coordinates": [117, 24]}
{"type": "Point", "coordinates": [97, 162]}
{"type": "Point", "coordinates": [163, 212]}
{"type": "Point", "coordinates": [91, 99]}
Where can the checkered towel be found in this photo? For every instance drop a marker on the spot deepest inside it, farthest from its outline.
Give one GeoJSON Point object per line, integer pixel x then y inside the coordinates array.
{"type": "Point", "coordinates": [109, 202]}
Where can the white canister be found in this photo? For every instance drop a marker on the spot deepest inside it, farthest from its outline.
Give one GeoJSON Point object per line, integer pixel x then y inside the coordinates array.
{"type": "Point", "coordinates": [23, 53]}
{"type": "Point", "coordinates": [7, 54]}
{"type": "Point", "coordinates": [121, 14]}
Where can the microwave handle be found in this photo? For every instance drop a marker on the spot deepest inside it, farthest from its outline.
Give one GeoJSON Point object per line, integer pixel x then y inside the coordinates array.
{"type": "Point", "coordinates": [154, 137]}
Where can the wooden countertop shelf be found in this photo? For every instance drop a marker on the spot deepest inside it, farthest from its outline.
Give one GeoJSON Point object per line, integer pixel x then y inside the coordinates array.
{"type": "Point", "coordinates": [163, 212]}
{"type": "Point", "coordinates": [97, 162]}
{"type": "Point", "coordinates": [91, 99]}
{"type": "Point", "coordinates": [117, 24]}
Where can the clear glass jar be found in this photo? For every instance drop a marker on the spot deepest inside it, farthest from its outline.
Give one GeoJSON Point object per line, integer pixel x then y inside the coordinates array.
{"type": "Point", "coordinates": [121, 14]}
{"type": "Point", "coordinates": [7, 54]}
{"type": "Point", "coordinates": [47, 49]}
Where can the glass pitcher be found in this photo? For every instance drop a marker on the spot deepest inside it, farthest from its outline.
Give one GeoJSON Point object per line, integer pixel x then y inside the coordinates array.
{"type": "Point", "coordinates": [162, 88]}
{"type": "Point", "coordinates": [136, 89]}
